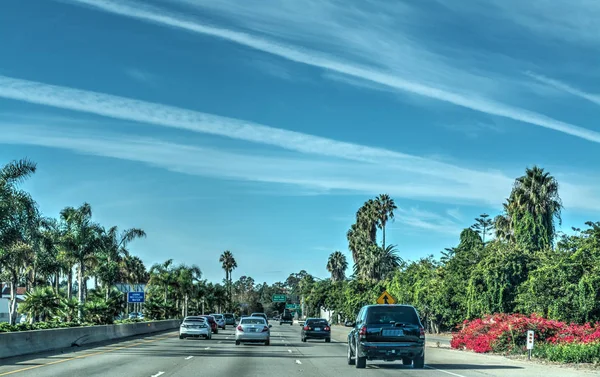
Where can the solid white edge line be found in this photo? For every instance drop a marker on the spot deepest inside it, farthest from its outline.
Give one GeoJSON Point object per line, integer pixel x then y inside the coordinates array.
{"type": "Point", "coordinates": [444, 371]}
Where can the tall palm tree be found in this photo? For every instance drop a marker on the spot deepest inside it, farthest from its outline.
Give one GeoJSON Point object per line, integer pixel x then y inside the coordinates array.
{"type": "Point", "coordinates": [228, 264]}
{"type": "Point", "coordinates": [536, 193]}
{"type": "Point", "coordinates": [18, 216]}
{"type": "Point", "coordinates": [161, 274]}
{"type": "Point", "coordinates": [384, 207]}
{"type": "Point", "coordinates": [83, 241]}
{"type": "Point", "coordinates": [337, 266]}
{"type": "Point", "coordinates": [114, 248]}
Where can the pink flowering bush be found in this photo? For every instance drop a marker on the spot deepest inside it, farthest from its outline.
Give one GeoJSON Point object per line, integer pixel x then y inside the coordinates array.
{"type": "Point", "coordinates": [506, 333]}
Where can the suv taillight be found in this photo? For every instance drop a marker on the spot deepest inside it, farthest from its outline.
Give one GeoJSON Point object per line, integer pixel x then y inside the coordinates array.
{"type": "Point", "coordinates": [305, 327]}
{"type": "Point", "coordinates": [240, 328]}
{"type": "Point", "coordinates": [363, 331]}
{"type": "Point", "coordinates": [266, 328]}
{"type": "Point", "coordinates": [422, 335]}
{"type": "Point", "coordinates": [327, 328]}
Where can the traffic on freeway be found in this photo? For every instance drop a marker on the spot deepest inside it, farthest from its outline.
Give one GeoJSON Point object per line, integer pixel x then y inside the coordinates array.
{"type": "Point", "coordinates": [287, 355]}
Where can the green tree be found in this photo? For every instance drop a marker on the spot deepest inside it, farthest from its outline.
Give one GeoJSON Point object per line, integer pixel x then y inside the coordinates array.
{"type": "Point", "coordinates": [82, 240]}
{"type": "Point", "coordinates": [18, 216]}
{"type": "Point", "coordinates": [483, 225]}
{"type": "Point", "coordinates": [228, 263]}
{"type": "Point", "coordinates": [384, 208]}
{"type": "Point", "coordinates": [113, 250]}
{"type": "Point", "coordinates": [337, 265]}
{"type": "Point", "coordinates": [40, 303]}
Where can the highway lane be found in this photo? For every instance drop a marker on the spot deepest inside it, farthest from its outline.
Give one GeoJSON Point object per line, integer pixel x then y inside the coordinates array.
{"type": "Point", "coordinates": [167, 355]}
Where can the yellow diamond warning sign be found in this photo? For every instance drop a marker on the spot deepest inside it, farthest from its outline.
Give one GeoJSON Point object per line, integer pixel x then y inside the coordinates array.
{"type": "Point", "coordinates": [386, 298]}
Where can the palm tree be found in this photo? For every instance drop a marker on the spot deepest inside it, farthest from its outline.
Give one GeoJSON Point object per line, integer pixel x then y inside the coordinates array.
{"type": "Point", "coordinates": [40, 303]}
{"type": "Point", "coordinates": [377, 263]}
{"type": "Point", "coordinates": [187, 279]}
{"type": "Point", "coordinates": [228, 264]}
{"type": "Point", "coordinates": [114, 248]}
{"type": "Point", "coordinates": [82, 240]}
{"type": "Point", "coordinates": [384, 207]}
{"type": "Point", "coordinates": [536, 193]}
{"type": "Point", "coordinates": [18, 216]}
{"type": "Point", "coordinates": [161, 274]}
{"type": "Point", "coordinates": [337, 266]}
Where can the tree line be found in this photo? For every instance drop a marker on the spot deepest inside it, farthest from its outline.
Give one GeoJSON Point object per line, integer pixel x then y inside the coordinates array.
{"type": "Point", "coordinates": [56, 259]}
{"type": "Point", "coordinates": [515, 262]}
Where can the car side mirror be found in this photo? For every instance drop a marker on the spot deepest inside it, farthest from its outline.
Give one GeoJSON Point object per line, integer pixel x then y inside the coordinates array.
{"type": "Point", "coordinates": [270, 326]}
{"type": "Point", "coordinates": [349, 324]}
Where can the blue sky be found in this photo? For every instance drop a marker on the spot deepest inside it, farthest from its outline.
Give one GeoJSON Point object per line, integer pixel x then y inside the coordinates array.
{"type": "Point", "coordinates": [261, 126]}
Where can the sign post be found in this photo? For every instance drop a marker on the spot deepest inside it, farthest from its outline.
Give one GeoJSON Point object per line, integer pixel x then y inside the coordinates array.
{"type": "Point", "coordinates": [279, 298]}
{"type": "Point", "coordinates": [530, 338]}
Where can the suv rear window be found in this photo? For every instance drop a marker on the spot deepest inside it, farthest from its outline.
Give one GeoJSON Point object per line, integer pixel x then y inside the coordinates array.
{"type": "Point", "coordinates": [392, 314]}
{"type": "Point", "coordinates": [228, 315]}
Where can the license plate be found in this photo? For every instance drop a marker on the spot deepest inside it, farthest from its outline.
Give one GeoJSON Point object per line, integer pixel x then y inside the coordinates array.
{"type": "Point", "coordinates": [317, 329]}
{"type": "Point", "coordinates": [252, 330]}
{"type": "Point", "coordinates": [393, 332]}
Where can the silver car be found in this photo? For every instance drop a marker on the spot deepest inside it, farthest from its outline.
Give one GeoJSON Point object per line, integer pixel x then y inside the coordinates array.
{"type": "Point", "coordinates": [220, 319]}
{"type": "Point", "coordinates": [195, 327]}
{"type": "Point", "coordinates": [253, 329]}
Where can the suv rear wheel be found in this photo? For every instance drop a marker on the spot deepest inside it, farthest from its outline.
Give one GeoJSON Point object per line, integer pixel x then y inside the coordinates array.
{"type": "Point", "coordinates": [419, 362]}
{"type": "Point", "coordinates": [361, 362]}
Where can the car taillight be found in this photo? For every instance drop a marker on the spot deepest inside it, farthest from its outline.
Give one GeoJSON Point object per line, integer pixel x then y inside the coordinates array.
{"type": "Point", "coordinates": [240, 328]}
{"type": "Point", "coordinates": [305, 327]}
{"type": "Point", "coordinates": [363, 331]}
{"type": "Point", "coordinates": [327, 328]}
{"type": "Point", "coordinates": [422, 335]}
{"type": "Point", "coordinates": [265, 329]}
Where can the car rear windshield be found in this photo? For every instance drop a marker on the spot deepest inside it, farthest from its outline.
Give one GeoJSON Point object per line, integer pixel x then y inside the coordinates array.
{"type": "Point", "coordinates": [228, 315]}
{"type": "Point", "coordinates": [194, 321]}
{"type": "Point", "coordinates": [253, 321]}
{"type": "Point", "coordinates": [392, 314]}
{"type": "Point", "coordinates": [218, 316]}
{"type": "Point", "coordinates": [315, 322]}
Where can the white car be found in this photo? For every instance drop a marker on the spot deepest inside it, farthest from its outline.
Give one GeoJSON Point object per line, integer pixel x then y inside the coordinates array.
{"type": "Point", "coordinates": [195, 327]}
{"type": "Point", "coordinates": [253, 329]}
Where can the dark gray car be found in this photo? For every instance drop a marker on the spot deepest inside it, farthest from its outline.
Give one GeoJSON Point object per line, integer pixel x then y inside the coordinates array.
{"type": "Point", "coordinates": [387, 332]}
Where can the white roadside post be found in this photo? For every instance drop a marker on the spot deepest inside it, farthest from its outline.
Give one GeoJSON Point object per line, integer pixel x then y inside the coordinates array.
{"type": "Point", "coordinates": [530, 338]}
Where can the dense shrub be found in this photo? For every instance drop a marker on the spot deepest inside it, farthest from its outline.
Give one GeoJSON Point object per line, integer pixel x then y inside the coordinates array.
{"type": "Point", "coordinates": [555, 340]}
{"type": "Point", "coordinates": [504, 333]}
{"type": "Point", "coordinates": [569, 352]}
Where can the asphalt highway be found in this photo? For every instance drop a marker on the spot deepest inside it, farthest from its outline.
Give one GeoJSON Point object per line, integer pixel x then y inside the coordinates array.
{"type": "Point", "coordinates": [166, 355]}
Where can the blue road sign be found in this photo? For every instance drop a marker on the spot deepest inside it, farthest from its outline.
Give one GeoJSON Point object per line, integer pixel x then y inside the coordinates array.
{"type": "Point", "coordinates": [135, 296]}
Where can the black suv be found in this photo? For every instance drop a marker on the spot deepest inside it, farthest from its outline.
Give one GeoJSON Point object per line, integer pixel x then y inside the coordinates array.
{"type": "Point", "coordinates": [387, 332]}
{"type": "Point", "coordinates": [286, 317]}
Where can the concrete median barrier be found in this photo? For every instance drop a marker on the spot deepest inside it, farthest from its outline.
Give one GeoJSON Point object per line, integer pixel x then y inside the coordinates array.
{"type": "Point", "coordinates": [21, 343]}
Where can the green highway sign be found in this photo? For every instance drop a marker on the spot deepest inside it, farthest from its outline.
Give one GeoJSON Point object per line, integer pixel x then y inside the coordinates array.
{"type": "Point", "coordinates": [292, 306]}
{"type": "Point", "coordinates": [279, 298]}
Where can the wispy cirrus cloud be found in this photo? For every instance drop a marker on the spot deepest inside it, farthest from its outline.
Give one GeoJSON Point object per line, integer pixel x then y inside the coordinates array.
{"type": "Point", "coordinates": [140, 75]}
{"type": "Point", "coordinates": [570, 20]}
{"type": "Point", "coordinates": [456, 179]}
{"type": "Point", "coordinates": [594, 98]}
{"type": "Point", "coordinates": [415, 218]}
{"type": "Point", "coordinates": [427, 80]}
{"type": "Point", "coordinates": [317, 162]}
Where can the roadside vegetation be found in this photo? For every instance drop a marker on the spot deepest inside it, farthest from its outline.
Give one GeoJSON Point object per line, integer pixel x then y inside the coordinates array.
{"type": "Point", "coordinates": [514, 270]}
